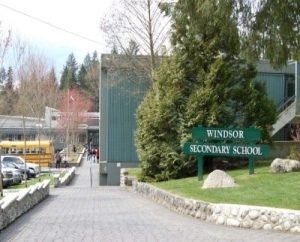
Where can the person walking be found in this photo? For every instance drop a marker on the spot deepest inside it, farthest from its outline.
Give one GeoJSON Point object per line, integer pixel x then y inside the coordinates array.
{"type": "Point", "coordinates": [94, 155]}
{"type": "Point", "coordinates": [57, 159]}
{"type": "Point", "coordinates": [97, 155]}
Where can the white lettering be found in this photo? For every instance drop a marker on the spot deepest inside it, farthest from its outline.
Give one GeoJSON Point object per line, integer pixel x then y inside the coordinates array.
{"type": "Point", "coordinates": [241, 134]}
{"type": "Point", "coordinates": [225, 134]}
{"type": "Point", "coordinates": [246, 150]}
{"type": "Point", "coordinates": [210, 133]}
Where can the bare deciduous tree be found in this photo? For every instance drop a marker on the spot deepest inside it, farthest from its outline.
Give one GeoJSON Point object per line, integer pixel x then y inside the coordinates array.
{"type": "Point", "coordinates": [140, 21]}
{"type": "Point", "coordinates": [73, 106]}
{"type": "Point", "coordinates": [37, 86]}
{"type": "Point", "coordinates": [5, 42]}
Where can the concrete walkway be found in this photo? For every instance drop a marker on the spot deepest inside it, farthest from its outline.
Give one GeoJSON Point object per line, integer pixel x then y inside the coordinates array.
{"type": "Point", "coordinates": [81, 212]}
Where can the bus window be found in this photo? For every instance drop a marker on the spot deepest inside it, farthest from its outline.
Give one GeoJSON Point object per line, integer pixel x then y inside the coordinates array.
{"type": "Point", "coordinates": [42, 150]}
{"type": "Point", "coordinates": [5, 151]}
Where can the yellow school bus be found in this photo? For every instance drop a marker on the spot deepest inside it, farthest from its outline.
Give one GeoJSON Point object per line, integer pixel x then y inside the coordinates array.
{"type": "Point", "coordinates": [34, 151]}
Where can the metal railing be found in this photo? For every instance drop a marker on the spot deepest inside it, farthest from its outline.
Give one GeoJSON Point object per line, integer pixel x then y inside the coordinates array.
{"type": "Point", "coordinates": [284, 103]}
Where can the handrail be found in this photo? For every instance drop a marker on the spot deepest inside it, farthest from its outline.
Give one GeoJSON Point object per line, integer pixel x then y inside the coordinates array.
{"type": "Point", "coordinates": [284, 103]}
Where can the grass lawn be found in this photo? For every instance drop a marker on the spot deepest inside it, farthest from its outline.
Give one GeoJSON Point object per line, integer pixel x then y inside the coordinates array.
{"type": "Point", "coordinates": [32, 181]}
{"type": "Point", "coordinates": [262, 188]}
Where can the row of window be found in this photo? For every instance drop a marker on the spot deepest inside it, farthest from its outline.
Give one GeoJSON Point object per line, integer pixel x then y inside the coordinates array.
{"type": "Point", "coordinates": [15, 137]}
{"type": "Point", "coordinates": [19, 151]}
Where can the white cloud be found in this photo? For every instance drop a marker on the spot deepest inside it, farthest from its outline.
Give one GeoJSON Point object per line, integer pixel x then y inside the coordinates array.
{"type": "Point", "coordinates": [80, 17]}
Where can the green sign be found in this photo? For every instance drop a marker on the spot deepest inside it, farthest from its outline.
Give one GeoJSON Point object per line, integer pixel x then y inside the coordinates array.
{"type": "Point", "coordinates": [204, 145]}
{"type": "Point", "coordinates": [249, 134]}
{"type": "Point", "coordinates": [239, 150]}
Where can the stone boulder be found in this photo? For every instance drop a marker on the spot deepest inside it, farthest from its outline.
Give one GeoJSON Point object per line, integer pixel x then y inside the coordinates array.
{"type": "Point", "coordinates": [285, 165]}
{"type": "Point", "coordinates": [218, 179]}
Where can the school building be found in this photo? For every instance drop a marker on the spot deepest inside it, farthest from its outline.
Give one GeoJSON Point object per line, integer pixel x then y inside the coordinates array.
{"type": "Point", "coordinates": [48, 128]}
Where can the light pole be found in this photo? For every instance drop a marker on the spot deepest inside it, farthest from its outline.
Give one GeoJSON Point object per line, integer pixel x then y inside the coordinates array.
{"type": "Point", "coordinates": [24, 151]}
{"type": "Point", "coordinates": [39, 139]}
{"type": "Point", "coordinates": [68, 120]}
{"type": "Point", "coordinates": [1, 185]}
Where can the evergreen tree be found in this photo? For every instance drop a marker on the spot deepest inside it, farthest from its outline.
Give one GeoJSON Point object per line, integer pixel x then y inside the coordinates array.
{"type": "Point", "coordinates": [87, 60]}
{"type": "Point", "coordinates": [205, 83]}
{"type": "Point", "coordinates": [9, 79]}
{"type": "Point", "coordinates": [69, 74]}
{"type": "Point", "coordinates": [82, 76]}
{"type": "Point", "coordinates": [2, 78]}
{"type": "Point", "coordinates": [8, 96]}
{"type": "Point", "coordinates": [159, 117]}
{"type": "Point", "coordinates": [270, 30]}
{"type": "Point", "coordinates": [88, 77]}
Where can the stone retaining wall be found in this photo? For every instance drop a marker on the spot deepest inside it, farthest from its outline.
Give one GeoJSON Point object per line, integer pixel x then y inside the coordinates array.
{"type": "Point", "coordinates": [14, 205]}
{"type": "Point", "coordinates": [243, 216]}
{"type": "Point", "coordinates": [66, 179]}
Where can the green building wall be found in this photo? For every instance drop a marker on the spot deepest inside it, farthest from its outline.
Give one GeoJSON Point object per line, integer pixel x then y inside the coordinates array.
{"type": "Point", "coordinates": [122, 88]}
{"type": "Point", "coordinates": [275, 84]}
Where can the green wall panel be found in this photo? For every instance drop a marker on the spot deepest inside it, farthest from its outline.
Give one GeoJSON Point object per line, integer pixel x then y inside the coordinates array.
{"type": "Point", "coordinates": [275, 85]}
{"type": "Point", "coordinates": [121, 92]}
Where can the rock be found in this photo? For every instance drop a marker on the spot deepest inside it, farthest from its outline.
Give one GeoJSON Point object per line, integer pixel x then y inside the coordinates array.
{"type": "Point", "coordinates": [285, 165]}
{"type": "Point", "coordinates": [287, 225]}
{"type": "Point", "coordinates": [254, 214]}
{"type": "Point", "coordinates": [234, 211]}
{"type": "Point", "coordinates": [296, 229]}
{"type": "Point", "coordinates": [257, 224]}
{"type": "Point", "coordinates": [264, 218]}
{"type": "Point", "coordinates": [247, 223]}
{"type": "Point", "coordinates": [218, 179]}
{"type": "Point", "coordinates": [220, 220]}
{"type": "Point", "coordinates": [233, 222]}
{"type": "Point", "coordinates": [278, 228]}
{"type": "Point", "coordinates": [198, 214]}
{"type": "Point", "coordinates": [218, 210]}
{"type": "Point", "coordinates": [267, 227]}
{"type": "Point", "coordinates": [274, 219]}
{"type": "Point", "coordinates": [244, 213]}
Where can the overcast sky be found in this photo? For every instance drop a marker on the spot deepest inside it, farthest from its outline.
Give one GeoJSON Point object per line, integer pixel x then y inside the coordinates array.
{"type": "Point", "coordinates": [81, 17]}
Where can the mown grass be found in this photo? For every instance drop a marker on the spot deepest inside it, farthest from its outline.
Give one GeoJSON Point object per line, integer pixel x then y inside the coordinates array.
{"type": "Point", "coordinates": [32, 181]}
{"type": "Point", "coordinates": [263, 188]}
{"type": "Point", "coordinates": [136, 172]}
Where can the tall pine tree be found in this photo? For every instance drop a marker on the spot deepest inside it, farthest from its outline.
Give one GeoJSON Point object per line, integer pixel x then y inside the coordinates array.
{"type": "Point", "coordinates": [8, 96]}
{"type": "Point", "coordinates": [205, 83]}
{"type": "Point", "coordinates": [69, 75]}
{"type": "Point", "coordinates": [88, 77]}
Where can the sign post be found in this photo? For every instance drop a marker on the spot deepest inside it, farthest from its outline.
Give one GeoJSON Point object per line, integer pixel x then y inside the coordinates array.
{"type": "Point", "coordinates": [251, 164]}
{"type": "Point", "coordinates": [226, 142]}
{"type": "Point", "coordinates": [200, 167]}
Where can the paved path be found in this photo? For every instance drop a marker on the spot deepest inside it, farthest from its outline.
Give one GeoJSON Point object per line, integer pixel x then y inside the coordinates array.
{"type": "Point", "coordinates": [80, 212]}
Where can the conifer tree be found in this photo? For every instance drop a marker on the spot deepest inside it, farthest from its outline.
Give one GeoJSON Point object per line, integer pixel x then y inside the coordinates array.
{"type": "Point", "coordinates": [69, 75]}
{"type": "Point", "coordinates": [8, 96]}
{"type": "Point", "coordinates": [88, 77]}
{"type": "Point", "coordinates": [205, 83]}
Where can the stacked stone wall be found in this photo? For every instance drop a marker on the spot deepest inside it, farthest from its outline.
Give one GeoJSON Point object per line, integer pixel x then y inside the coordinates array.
{"type": "Point", "coordinates": [14, 205]}
{"type": "Point", "coordinates": [244, 216]}
{"type": "Point", "coordinates": [66, 179]}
